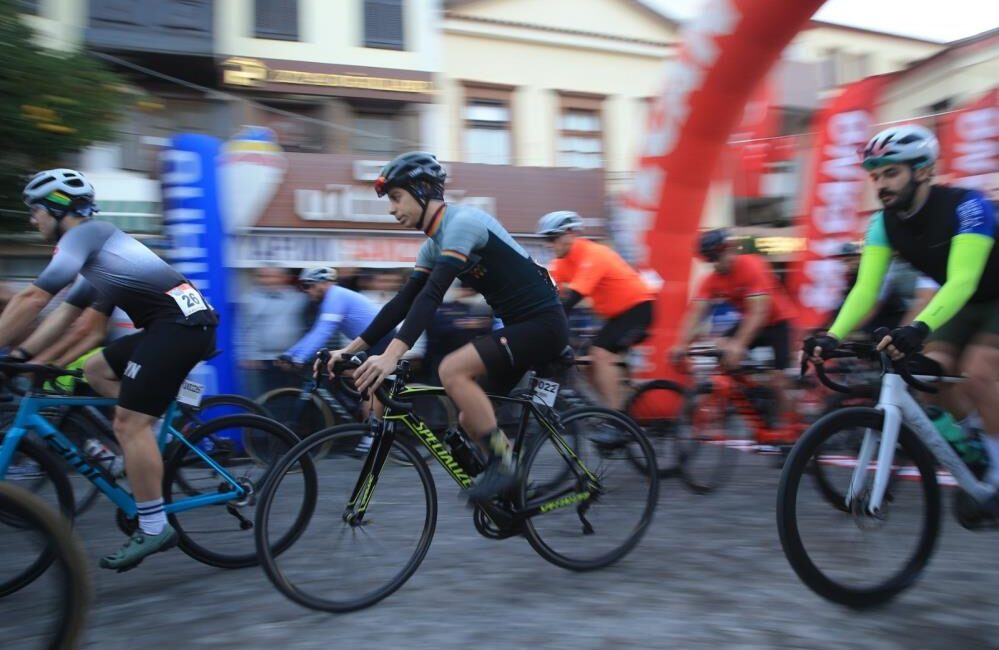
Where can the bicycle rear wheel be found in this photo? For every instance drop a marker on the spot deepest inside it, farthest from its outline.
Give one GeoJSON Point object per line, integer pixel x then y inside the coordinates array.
{"type": "Point", "coordinates": [708, 440]}
{"type": "Point", "coordinates": [656, 406]}
{"type": "Point", "coordinates": [48, 482]}
{"type": "Point", "coordinates": [220, 535]}
{"type": "Point", "coordinates": [584, 526]}
{"type": "Point", "coordinates": [362, 562]}
{"type": "Point", "coordinates": [856, 558]}
{"type": "Point", "coordinates": [53, 611]}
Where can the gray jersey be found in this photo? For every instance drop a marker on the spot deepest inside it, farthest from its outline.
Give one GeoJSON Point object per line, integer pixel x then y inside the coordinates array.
{"type": "Point", "coordinates": [491, 262]}
{"type": "Point", "coordinates": [125, 273]}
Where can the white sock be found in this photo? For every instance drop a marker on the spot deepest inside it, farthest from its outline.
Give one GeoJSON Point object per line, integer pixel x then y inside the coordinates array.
{"type": "Point", "coordinates": [152, 517]}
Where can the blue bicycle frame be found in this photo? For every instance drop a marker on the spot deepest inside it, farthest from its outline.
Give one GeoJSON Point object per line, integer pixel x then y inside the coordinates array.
{"type": "Point", "coordinates": [30, 419]}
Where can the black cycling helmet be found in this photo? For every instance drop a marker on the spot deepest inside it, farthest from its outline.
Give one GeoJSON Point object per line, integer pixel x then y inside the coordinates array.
{"type": "Point", "coordinates": [712, 243]}
{"type": "Point", "coordinates": [417, 172]}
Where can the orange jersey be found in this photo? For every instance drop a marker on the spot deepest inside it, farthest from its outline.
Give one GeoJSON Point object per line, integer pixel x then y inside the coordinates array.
{"type": "Point", "coordinates": [596, 272]}
{"type": "Point", "coordinates": [749, 276]}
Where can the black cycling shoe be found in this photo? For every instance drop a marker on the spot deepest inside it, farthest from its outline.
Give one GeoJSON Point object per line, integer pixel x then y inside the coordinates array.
{"type": "Point", "coordinates": [496, 480]}
{"type": "Point", "coordinates": [976, 516]}
{"type": "Point", "coordinates": [610, 437]}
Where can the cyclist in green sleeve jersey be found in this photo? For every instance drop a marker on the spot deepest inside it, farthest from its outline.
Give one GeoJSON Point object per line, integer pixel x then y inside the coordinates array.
{"type": "Point", "coordinates": [947, 233]}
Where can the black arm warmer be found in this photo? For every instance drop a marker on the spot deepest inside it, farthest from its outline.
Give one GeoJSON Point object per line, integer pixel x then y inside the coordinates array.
{"type": "Point", "coordinates": [394, 310]}
{"type": "Point", "coordinates": [426, 304]}
{"type": "Point", "coordinates": [570, 300]}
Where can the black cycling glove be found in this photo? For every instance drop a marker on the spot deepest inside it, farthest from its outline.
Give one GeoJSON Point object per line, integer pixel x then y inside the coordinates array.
{"type": "Point", "coordinates": [909, 339]}
{"type": "Point", "coordinates": [824, 341]}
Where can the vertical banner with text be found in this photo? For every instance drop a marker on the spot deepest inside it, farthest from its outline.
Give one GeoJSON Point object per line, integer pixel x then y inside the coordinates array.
{"type": "Point", "coordinates": [834, 192]}
{"type": "Point", "coordinates": [969, 146]}
{"type": "Point", "coordinates": [192, 223]}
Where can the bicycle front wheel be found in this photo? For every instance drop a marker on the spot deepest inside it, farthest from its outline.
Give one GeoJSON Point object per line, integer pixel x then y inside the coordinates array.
{"type": "Point", "coordinates": [656, 406]}
{"type": "Point", "coordinates": [52, 613]}
{"type": "Point", "coordinates": [40, 472]}
{"type": "Point", "coordinates": [363, 560]}
{"type": "Point", "coordinates": [708, 440]}
{"type": "Point", "coordinates": [847, 554]}
{"type": "Point", "coordinates": [595, 506]}
{"type": "Point", "coordinates": [221, 535]}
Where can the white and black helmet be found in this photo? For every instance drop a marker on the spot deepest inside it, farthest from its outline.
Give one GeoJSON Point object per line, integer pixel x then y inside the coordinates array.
{"type": "Point", "coordinates": [907, 143]}
{"type": "Point", "coordinates": [557, 223]}
{"type": "Point", "coordinates": [318, 274]}
{"type": "Point", "coordinates": [60, 191]}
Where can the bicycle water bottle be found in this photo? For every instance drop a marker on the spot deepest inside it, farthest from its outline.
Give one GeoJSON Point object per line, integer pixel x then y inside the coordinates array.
{"type": "Point", "coordinates": [463, 451]}
{"type": "Point", "coordinates": [970, 448]}
{"type": "Point", "coordinates": [98, 452]}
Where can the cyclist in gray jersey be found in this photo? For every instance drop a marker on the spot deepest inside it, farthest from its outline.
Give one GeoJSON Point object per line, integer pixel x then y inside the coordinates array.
{"type": "Point", "coordinates": [144, 370]}
{"type": "Point", "coordinates": [471, 245]}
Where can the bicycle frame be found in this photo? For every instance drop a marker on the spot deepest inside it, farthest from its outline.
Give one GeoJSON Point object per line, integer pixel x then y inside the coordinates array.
{"type": "Point", "coordinates": [900, 407]}
{"type": "Point", "coordinates": [361, 495]}
{"type": "Point", "coordinates": [30, 419]}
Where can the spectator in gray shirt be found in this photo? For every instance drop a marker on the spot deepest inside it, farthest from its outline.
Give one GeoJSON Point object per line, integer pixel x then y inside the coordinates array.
{"type": "Point", "coordinates": [271, 320]}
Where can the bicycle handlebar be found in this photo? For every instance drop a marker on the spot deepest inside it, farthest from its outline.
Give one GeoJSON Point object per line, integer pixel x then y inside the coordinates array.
{"type": "Point", "coordinates": [41, 372]}
{"type": "Point", "coordinates": [354, 362]}
{"type": "Point", "coordinates": [852, 350]}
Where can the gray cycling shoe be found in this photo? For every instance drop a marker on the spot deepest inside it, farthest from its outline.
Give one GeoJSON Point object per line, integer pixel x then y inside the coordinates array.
{"type": "Point", "coordinates": [138, 546]}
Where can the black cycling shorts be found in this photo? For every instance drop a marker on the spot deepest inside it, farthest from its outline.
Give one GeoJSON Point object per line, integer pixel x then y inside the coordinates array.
{"type": "Point", "coordinates": [776, 336]}
{"type": "Point", "coordinates": [153, 363]}
{"type": "Point", "coordinates": [510, 352]}
{"type": "Point", "coordinates": [628, 328]}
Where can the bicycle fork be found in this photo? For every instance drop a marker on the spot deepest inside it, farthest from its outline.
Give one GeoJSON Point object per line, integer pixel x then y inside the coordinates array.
{"type": "Point", "coordinates": [360, 497]}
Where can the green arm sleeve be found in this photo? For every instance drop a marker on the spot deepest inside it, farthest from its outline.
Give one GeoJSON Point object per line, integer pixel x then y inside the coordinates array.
{"type": "Point", "coordinates": [874, 260]}
{"type": "Point", "coordinates": [965, 265]}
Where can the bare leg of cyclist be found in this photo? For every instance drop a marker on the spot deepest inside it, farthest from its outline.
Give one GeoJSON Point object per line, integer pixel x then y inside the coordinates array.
{"type": "Point", "coordinates": [458, 372]}
{"type": "Point", "coordinates": [608, 377]}
{"type": "Point", "coordinates": [980, 364]}
{"type": "Point", "coordinates": [144, 465]}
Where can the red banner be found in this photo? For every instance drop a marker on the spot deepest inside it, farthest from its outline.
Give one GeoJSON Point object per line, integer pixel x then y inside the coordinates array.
{"type": "Point", "coordinates": [752, 140]}
{"type": "Point", "coordinates": [833, 200]}
{"type": "Point", "coordinates": [726, 52]}
{"type": "Point", "coordinates": [969, 146]}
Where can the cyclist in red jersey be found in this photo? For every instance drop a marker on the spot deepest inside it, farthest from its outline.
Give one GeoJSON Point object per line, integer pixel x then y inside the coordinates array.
{"type": "Point", "coordinates": [749, 284]}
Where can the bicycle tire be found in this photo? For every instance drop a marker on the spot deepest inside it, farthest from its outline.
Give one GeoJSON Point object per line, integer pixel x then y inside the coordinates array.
{"type": "Point", "coordinates": [53, 468]}
{"type": "Point", "coordinates": [342, 440]}
{"type": "Point", "coordinates": [789, 526]}
{"type": "Point", "coordinates": [76, 587]}
{"type": "Point", "coordinates": [303, 413]}
{"type": "Point", "coordinates": [639, 443]}
{"type": "Point", "coordinates": [196, 472]}
{"type": "Point", "coordinates": [707, 458]}
{"type": "Point", "coordinates": [647, 409]}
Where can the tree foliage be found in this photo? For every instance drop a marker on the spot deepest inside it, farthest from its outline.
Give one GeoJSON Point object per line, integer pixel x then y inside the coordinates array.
{"type": "Point", "coordinates": [54, 104]}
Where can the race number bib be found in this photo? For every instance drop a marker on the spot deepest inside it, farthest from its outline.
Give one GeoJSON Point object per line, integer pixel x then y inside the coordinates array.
{"type": "Point", "coordinates": [544, 391]}
{"type": "Point", "coordinates": [190, 393]}
{"type": "Point", "coordinates": [187, 298]}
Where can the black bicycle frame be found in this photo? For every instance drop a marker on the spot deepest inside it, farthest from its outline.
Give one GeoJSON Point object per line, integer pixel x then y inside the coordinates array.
{"type": "Point", "coordinates": [375, 460]}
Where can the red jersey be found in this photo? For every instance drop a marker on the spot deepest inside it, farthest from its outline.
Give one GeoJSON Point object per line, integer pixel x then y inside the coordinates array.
{"type": "Point", "coordinates": [749, 276]}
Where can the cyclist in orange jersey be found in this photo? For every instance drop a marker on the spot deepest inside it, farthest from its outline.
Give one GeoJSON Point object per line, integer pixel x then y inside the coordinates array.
{"type": "Point", "coordinates": [586, 269]}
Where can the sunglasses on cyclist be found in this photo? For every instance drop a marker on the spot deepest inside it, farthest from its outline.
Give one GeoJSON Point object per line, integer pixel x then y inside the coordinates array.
{"type": "Point", "coordinates": [552, 237]}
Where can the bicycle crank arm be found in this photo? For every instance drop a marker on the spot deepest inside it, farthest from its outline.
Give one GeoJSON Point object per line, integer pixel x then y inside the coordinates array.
{"type": "Point", "coordinates": [244, 523]}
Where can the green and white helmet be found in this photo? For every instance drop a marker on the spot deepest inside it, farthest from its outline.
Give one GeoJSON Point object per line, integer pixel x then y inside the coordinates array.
{"type": "Point", "coordinates": [907, 143]}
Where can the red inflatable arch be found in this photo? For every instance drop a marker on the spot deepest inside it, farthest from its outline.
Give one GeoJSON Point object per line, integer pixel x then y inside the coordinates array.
{"type": "Point", "coordinates": [725, 53]}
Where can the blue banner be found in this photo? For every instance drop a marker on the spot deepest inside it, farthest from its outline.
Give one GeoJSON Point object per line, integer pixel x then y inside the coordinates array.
{"type": "Point", "coordinates": [193, 224]}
